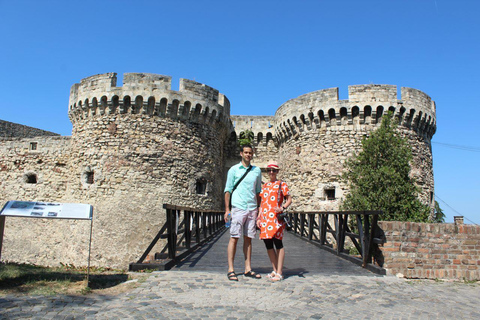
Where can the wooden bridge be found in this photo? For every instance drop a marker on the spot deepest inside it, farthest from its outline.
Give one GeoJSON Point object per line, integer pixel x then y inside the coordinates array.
{"type": "Point", "coordinates": [197, 240]}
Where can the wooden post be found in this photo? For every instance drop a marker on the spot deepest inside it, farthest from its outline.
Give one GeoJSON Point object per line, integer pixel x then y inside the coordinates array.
{"type": "Point", "coordinates": [367, 231]}
{"type": "Point", "coordinates": [337, 231]}
{"type": "Point", "coordinates": [343, 221]}
{"type": "Point", "coordinates": [204, 224]}
{"type": "Point", "coordinates": [323, 227]}
{"type": "Point", "coordinates": [372, 235]}
{"type": "Point", "coordinates": [188, 232]}
{"type": "Point", "coordinates": [310, 225]}
{"type": "Point", "coordinates": [172, 237]}
{"type": "Point", "coordinates": [302, 225]}
{"type": "Point", "coordinates": [197, 226]}
{"type": "Point", "coordinates": [2, 227]}
{"type": "Point", "coordinates": [361, 234]}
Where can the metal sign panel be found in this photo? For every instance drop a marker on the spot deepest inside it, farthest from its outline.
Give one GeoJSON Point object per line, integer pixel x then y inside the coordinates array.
{"type": "Point", "coordinates": [48, 210]}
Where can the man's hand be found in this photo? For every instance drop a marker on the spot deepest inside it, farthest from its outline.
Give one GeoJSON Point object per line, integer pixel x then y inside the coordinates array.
{"type": "Point", "coordinates": [225, 217]}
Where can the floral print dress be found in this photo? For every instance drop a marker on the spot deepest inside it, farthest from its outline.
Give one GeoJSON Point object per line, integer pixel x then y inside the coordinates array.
{"type": "Point", "coordinates": [270, 227]}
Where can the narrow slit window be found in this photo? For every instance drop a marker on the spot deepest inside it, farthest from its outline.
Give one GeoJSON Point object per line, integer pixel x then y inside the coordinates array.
{"type": "Point", "coordinates": [90, 177]}
{"type": "Point", "coordinates": [201, 186]}
{"type": "Point", "coordinates": [33, 146]}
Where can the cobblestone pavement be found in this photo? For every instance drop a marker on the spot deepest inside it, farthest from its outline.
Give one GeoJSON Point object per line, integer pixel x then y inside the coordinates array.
{"type": "Point", "coordinates": [200, 295]}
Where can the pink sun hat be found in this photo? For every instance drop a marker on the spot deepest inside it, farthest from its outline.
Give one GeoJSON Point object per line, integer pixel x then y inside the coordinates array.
{"type": "Point", "coordinates": [273, 164]}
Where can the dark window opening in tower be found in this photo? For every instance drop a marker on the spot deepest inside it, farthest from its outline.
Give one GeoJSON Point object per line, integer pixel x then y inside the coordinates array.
{"type": "Point", "coordinates": [90, 177]}
{"type": "Point", "coordinates": [355, 112]}
{"type": "Point", "coordinates": [330, 194]}
{"type": "Point", "coordinates": [33, 146]}
{"type": "Point", "coordinates": [259, 137]}
{"type": "Point", "coordinates": [379, 114]}
{"type": "Point", "coordinates": [31, 178]}
{"type": "Point", "coordinates": [331, 114]}
{"type": "Point", "coordinates": [201, 186]}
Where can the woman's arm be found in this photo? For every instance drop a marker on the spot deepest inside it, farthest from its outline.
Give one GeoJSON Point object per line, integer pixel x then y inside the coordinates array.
{"type": "Point", "coordinates": [288, 202]}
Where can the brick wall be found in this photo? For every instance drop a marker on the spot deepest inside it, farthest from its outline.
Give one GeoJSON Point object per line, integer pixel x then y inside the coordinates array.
{"type": "Point", "coordinates": [431, 250]}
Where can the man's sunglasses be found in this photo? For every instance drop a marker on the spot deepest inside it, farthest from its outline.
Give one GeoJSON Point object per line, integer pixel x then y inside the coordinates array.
{"type": "Point", "coordinates": [272, 170]}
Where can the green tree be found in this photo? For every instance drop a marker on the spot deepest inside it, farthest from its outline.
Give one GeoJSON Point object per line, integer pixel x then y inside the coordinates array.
{"type": "Point", "coordinates": [246, 137]}
{"type": "Point", "coordinates": [438, 215]}
{"type": "Point", "coordinates": [378, 177]}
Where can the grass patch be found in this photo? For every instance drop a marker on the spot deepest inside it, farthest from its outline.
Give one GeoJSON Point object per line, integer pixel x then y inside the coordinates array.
{"type": "Point", "coordinates": [19, 279]}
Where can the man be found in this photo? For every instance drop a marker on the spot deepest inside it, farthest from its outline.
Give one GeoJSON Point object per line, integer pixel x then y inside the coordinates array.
{"type": "Point", "coordinates": [245, 202]}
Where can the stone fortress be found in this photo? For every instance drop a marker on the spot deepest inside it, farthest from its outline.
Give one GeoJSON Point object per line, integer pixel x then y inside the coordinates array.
{"type": "Point", "coordinates": [140, 145]}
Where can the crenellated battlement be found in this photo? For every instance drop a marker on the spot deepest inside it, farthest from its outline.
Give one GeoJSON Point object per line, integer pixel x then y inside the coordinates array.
{"type": "Point", "coordinates": [255, 124]}
{"type": "Point", "coordinates": [150, 94]}
{"type": "Point", "coordinates": [365, 107]}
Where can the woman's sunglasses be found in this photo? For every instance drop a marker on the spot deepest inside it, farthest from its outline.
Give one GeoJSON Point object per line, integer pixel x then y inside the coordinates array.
{"type": "Point", "coordinates": [272, 170]}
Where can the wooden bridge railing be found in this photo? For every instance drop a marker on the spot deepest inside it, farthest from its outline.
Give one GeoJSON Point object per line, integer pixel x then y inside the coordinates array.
{"type": "Point", "coordinates": [360, 226]}
{"type": "Point", "coordinates": [185, 229]}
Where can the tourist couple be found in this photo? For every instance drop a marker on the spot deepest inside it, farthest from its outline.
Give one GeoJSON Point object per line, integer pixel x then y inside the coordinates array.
{"type": "Point", "coordinates": [243, 195]}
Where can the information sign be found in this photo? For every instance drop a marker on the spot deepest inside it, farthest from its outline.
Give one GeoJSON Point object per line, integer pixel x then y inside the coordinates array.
{"type": "Point", "coordinates": [48, 210]}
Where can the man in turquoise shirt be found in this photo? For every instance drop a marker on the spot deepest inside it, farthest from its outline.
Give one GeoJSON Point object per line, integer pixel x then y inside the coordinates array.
{"type": "Point", "coordinates": [245, 202]}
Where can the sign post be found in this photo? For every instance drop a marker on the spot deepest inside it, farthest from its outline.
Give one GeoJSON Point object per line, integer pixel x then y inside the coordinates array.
{"type": "Point", "coordinates": [48, 210]}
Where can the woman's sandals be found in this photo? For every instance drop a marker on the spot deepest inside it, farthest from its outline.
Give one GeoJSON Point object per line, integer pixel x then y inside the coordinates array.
{"type": "Point", "coordinates": [277, 277]}
{"type": "Point", "coordinates": [251, 274]}
{"type": "Point", "coordinates": [232, 276]}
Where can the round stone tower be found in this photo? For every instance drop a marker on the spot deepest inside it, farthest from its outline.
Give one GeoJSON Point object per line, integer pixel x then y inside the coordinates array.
{"type": "Point", "coordinates": [317, 132]}
{"type": "Point", "coordinates": [139, 146]}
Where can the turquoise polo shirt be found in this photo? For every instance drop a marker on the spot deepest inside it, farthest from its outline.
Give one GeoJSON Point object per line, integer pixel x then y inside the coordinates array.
{"type": "Point", "coordinates": [245, 195]}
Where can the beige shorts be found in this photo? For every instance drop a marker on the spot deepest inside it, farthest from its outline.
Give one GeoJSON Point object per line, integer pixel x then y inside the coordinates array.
{"type": "Point", "coordinates": [243, 222]}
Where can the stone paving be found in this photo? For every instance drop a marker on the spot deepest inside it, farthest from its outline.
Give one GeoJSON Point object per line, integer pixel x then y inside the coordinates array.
{"type": "Point", "coordinates": [200, 295]}
{"type": "Point", "coordinates": [191, 293]}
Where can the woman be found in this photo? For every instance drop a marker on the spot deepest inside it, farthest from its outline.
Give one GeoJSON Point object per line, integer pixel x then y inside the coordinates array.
{"type": "Point", "coordinates": [271, 230]}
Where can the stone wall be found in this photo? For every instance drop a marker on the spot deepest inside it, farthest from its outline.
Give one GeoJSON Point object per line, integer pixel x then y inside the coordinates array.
{"type": "Point", "coordinates": [133, 148]}
{"type": "Point", "coordinates": [48, 163]}
{"type": "Point", "coordinates": [15, 130]}
{"type": "Point", "coordinates": [431, 250]}
{"type": "Point", "coordinates": [40, 241]}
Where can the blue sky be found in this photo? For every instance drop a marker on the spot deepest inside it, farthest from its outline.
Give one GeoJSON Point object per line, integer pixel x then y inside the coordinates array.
{"type": "Point", "coordinates": [259, 54]}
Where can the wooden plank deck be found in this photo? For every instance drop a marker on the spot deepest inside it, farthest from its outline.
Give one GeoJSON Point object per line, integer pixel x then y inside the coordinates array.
{"type": "Point", "coordinates": [301, 258]}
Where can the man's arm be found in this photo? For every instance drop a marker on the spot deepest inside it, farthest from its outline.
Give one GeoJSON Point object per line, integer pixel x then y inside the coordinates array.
{"type": "Point", "coordinates": [227, 201]}
{"type": "Point", "coordinates": [228, 191]}
{"type": "Point", "coordinates": [258, 187]}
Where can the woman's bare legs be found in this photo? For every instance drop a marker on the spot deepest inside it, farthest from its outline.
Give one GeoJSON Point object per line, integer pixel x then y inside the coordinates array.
{"type": "Point", "coordinates": [280, 260]}
{"type": "Point", "coordinates": [273, 258]}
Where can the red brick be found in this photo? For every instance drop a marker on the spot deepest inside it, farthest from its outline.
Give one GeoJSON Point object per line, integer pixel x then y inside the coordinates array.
{"type": "Point", "coordinates": [389, 249]}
